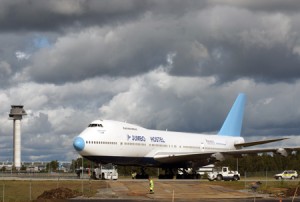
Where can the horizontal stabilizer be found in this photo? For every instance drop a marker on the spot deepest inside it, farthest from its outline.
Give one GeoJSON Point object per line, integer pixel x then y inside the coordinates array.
{"type": "Point", "coordinates": [249, 144]}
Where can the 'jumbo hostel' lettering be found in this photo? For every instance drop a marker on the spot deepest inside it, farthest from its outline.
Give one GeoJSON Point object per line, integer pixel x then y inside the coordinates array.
{"type": "Point", "coordinates": [157, 139]}
{"type": "Point", "coordinates": [138, 138]}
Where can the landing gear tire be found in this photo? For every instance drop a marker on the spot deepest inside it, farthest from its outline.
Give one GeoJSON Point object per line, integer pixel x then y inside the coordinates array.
{"type": "Point", "coordinates": [165, 176]}
{"type": "Point", "coordinates": [142, 176]}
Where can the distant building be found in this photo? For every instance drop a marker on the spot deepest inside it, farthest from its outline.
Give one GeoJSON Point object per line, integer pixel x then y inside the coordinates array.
{"type": "Point", "coordinates": [39, 166]}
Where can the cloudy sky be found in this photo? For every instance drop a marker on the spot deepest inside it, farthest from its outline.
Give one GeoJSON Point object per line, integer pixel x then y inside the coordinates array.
{"type": "Point", "coordinates": [170, 64]}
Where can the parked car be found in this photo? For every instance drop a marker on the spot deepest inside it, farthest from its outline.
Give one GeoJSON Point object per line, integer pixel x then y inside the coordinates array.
{"type": "Point", "coordinates": [287, 174]}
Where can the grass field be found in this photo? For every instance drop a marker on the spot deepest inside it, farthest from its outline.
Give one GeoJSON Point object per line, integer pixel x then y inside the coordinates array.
{"type": "Point", "coordinates": [273, 188]}
{"type": "Point", "coordinates": [17, 190]}
{"type": "Point", "coordinates": [27, 190]}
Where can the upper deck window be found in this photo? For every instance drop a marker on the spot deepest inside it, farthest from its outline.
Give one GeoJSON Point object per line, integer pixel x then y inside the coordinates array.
{"type": "Point", "coordinates": [95, 125]}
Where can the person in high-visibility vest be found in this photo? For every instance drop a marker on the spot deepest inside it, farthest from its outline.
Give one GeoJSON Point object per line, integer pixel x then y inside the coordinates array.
{"type": "Point", "coordinates": [151, 185]}
{"type": "Point", "coordinates": [133, 175]}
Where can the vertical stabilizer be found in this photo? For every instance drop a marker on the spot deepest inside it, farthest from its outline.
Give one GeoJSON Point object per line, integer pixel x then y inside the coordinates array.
{"type": "Point", "coordinates": [233, 124]}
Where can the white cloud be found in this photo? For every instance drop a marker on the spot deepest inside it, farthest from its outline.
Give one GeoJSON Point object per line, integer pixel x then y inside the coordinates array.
{"type": "Point", "coordinates": [5, 69]}
{"type": "Point", "coordinates": [22, 55]}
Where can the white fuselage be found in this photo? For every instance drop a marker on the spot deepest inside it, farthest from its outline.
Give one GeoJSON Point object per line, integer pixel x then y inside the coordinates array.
{"type": "Point", "coordinates": [106, 141]}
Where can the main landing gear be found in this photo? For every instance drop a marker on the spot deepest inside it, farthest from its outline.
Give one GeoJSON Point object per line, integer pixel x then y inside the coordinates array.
{"type": "Point", "coordinates": [181, 173]}
{"type": "Point", "coordinates": [170, 173]}
{"type": "Point", "coordinates": [187, 174]}
{"type": "Point", "coordinates": [142, 174]}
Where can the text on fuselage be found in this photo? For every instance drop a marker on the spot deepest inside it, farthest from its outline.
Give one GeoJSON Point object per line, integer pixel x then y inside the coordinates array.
{"type": "Point", "coordinates": [157, 139]}
{"type": "Point", "coordinates": [139, 138]}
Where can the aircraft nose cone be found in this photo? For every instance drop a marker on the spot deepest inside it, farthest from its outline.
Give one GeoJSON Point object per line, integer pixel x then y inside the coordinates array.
{"type": "Point", "coordinates": [78, 144]}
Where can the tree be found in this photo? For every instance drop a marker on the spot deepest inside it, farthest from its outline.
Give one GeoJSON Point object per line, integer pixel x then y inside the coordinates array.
{"type": "Point", "coordinates": [52, 166]}
{"type": "Point", "coordinates": [76, 164]}
{"type": "Point", "coordinates": [23, 167]}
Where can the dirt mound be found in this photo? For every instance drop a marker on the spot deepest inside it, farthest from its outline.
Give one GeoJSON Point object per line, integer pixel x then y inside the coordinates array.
{"type": "Point", "coordinates": [285, 192]}
{"type": "Point", "coordinates": [292, 192]}
{"type": "Point", "coordinates": [59, 193]}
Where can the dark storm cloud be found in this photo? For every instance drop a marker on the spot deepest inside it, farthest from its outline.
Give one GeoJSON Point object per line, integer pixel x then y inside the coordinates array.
{"type": "Point", "coordinates": [9, 64]}
{"type": "Point", "coordinates": [261, 64]}
{"type": "Point", "coordinates": [43, 15]}
{"type": "Point", "coordinates": [15, 53]}
{"type": "Point", "coordinates": [265, 5]}
{"type": "Point", "coordinates": [28, 15]}
{"type": "Point", "coordinates": [227, 40]}
{"type": "Point", "coordinates": [127, 51]}
{"type": "Point", "coordinates": [221, 41]}
{"type": "Point", "coordinates": [240, 43]}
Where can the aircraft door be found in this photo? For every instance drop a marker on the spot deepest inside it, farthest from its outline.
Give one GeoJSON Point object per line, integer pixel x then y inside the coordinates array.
{"type": "Point", "coordinates": [202, 146]}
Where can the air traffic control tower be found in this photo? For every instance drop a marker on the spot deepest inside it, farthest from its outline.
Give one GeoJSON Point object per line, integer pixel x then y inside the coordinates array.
{"type": "Point", "coordinates": [16, 114]}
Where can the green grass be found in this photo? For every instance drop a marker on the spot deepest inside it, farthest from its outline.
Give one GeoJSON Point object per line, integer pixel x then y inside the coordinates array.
{"type": "Point", "coordinates": [17, 190]}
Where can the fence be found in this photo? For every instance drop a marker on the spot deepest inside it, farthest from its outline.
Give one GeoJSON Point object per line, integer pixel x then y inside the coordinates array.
{"type": "Point", "coordinates": [39, 175]}
{"type": "Point", "coordinates": [30, 189]}
{"type": "Point", "coordinates": [17, 187]}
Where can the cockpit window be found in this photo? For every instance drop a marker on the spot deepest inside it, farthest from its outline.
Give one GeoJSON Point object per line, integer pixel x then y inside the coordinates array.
{"type": "Point", "coordinates": [95, 125]}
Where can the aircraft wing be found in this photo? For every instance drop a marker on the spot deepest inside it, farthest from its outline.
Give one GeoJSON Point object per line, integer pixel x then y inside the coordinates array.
{"type": "Point", "coordinates": [249, 144]}
{"type": "Point", "coordinates": [281, 150]}
{"type": "Point", "coordinates": [174, 158]}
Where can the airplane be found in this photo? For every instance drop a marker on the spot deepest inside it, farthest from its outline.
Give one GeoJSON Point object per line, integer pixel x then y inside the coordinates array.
{"type": "Point", "coordinates": [121, 143]}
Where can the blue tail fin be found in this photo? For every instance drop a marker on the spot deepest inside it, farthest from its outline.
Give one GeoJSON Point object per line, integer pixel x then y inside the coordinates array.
{"type": "Point", "coordinates": [233, 124]}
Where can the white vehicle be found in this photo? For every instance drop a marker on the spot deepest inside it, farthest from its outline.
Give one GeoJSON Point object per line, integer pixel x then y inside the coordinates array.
{"type": "Point", "coordinates": [121, 143]}
{"type": "Point", "coordinates": [106, 172]}
{"type": "Point", "coordinates": [224, 174]}
{"type": "Point", "coordinates": [198, 173]}
{"type": "Point", "coordinates": [287, 174]}
{"type": "Point", "coordinates": [206, 169]}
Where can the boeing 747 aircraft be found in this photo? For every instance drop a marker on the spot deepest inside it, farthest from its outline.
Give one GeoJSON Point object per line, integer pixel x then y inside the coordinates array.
{"type": "Point", "coordinates": [121, 143]}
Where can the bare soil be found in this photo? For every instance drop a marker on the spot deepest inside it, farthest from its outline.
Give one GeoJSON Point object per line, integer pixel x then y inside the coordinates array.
{"type": "Point", "coordinates": [59, 193]}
